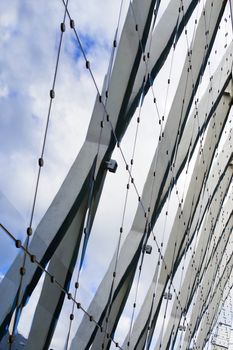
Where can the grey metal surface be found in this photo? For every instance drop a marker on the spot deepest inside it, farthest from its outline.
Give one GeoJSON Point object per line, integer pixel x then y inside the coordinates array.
{"type": "Point", "coordinates": [131, 248]}
{"type": "Point", "coordinates": [58, 236]}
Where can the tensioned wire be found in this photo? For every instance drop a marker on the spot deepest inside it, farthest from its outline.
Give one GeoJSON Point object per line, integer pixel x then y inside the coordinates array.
{"type": "Point", "coordinates": [210, 296]}
{"type": "Point", "coordinates": [201, 257]}
{"type": "Point", "coordinates": [180, 200]}
{"type": "Point", "coordinates": [131, 164]}
{"type": "Point", "coordinates": [160, 124]}
{"type": "Point", "coordinates": [209, 241]}
{"type": "Point", "coordinates": [121, 151]}
{"type": "Point", "coordinates": [199, 284]}
{"type": "Point", "coordinates": [177, 194]}
{"type": "Point", "coordinates": [146, 59]}
{"type": "Point", "coordinates": [194, 262]}
{"type": "Point", "coordinates": [168, 199]}
{"type": "Point", "coordinates": [200, 147]}
{"type": "Point", "coordinates": [123, 215]}
{"type": "Point", "coordinates": [40, 165]}
{"type": "Point", "coordinates": [161, 121]}
{"type": "Point", "coordinates": [47, 125]}
{"type": "Point", "coordinates": [161, 118]}
{"type": "Point", "coordinates": [169, 78]}
{"type": "Point", "coordinates": [53, 280]}
{"type": "Point", "coordinates": [225, 254]}
{"type": "Point", "coordinates": [107, 115]}
{"type": "Point", "coordinates": [206, 260]}
{"type": "Point", "coordinates": [216, 52]}
{"type": "Point", "coordinates": [216, 241]}
{"type": "Point", "coordinates": [33, 259]}
{"type": "Point", "coordinates": [189, 52]}
{"type": "Point", "coordinates": [211, 322]}
{"type": "Point", "coordinates": [134, 146]}
{"type": "Point", "coordinates": [211, 332]}
{"type": "Point", "coordinates": [220, 308]}
{"type": "Point", "coordinates": [171, 167]}
{"type": "Point", "coordinates": [196, 94]}
{"type": "Point", "coordinates": [189, 243]}
{"type": "Point", "coordinates": [118, 145]}
{"type": "Point", "coordinates": [188, 163]}
{"type": "Point", "coordinates": [93, 178]}
{"type": "Point", "coordinates": [131, 177]}
{"type": "Point", "coordinates": [140, 264]}
{"type": "Point", "coordinates": [219, 312]}
{"type": "Point", "coordinates": [209, 257]}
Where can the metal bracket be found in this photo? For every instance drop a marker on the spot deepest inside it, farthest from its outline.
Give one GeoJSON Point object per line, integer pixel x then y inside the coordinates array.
{"type": "Point", "coordinates": [111, 165]}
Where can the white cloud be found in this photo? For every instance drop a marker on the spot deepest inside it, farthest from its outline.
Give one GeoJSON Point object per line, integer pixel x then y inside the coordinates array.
{"type": "Point", "coordinates": [28, 44]}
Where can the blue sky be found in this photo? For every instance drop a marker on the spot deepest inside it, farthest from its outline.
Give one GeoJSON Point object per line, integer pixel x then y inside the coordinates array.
{"type": "Point", "coordinates": [29, 40]}
{"type": "Point", "coordinates": [28, 45]}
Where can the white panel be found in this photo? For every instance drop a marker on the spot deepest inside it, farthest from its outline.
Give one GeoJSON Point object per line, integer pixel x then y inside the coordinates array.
{"type": "Point", "coordinates": [73, 185]}
{"type": "Point", "coordinates": [131, 246]}
{"type": "Point", "coordinates": [198, 256]}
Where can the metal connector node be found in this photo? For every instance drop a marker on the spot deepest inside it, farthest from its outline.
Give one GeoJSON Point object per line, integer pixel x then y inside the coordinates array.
{"type": "Point", "coordinates": [111, 165]}
{"type": "Point", "coordinates": [148, 249]}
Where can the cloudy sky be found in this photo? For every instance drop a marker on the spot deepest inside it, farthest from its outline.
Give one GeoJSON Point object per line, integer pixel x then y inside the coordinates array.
{"type": "Point", "coordinates": [30, 32]}
{"type": "Point", "coordinates": [29, 43]}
